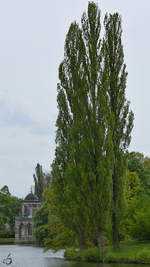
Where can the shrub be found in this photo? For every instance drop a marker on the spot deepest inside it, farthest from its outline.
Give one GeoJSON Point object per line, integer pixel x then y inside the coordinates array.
{"type": "Point", "coordinates": [91, 255]}
{"type": "Point", "coordinates": [72, 254]}
{"type": "Point", "coordinates": [7, 233]}
{"type": "Point", "coordinates": [110, 256]}
{"type": "Point", "coordinates": [7, 241]}
{"type": "Point", "coordinates": [137, 220]}
{"type": "Point", "coordinates": [143, 256]}
{"type": "Point", "coordinates": [40, 234]}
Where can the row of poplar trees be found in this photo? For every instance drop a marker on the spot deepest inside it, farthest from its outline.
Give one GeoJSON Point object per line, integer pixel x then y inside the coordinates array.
{"type": "Point", "coordinates": [94, 127]}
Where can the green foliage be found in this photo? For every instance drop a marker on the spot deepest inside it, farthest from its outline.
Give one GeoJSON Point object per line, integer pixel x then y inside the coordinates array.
{"type": "Point", "coordinates": [133, 186]}
{"type": "Point", "coordinates": [88, 255]}
{"type": "Point", "coordinates": [58, 237]}
{"type": "Point", "coordinates": [7, 233]}
{"type": "Point", "coordinates": [110, 257]}
{"type": "Point", "coordinates": [47, 180]}
{"type": "Point", "coordinates": [40, 220]}
{"type": "Point", "coordinates": [91, 255]}
{"type": "Point", "coordinates": [49, 231]}
{"type": "Point", "coordinates": [41, 215]}
{"type": "Point", "coordinates": [139, 218]}
{"type": "Point", "coordinates": [5, 190]}
{"type": "Point", "coordinates": [94, 127]}
{"type": "Point", "coordinates": [133, 190]}
{"type": "Point", "coordinates": [5, 210]}
{"type": "Point", "coordinates": [15, 207]}
{"type": "Point", "coordinates": [143, 256]}
{"type": "Point", "coordinates": [7, 241]}
{"type": "Point", "coordinates": [147, 163]}
{"type": "Point", "coordinates": [127, 252]}
{"type": "Point", "coordinates": [140, 229]}
{"type": "Point", "coordinates": [121, 116]}
{"type": "Point", "coordinates": [136, 221]}
{"type": "Point", "coordinates": [131, 251]}
{"type": "Point", "coordinates": [10, 207]}
{"type": "Point", "coordinates": [82, 169]}
{"type": "Point", "coordinates": [72, 254]}
{"type": "Point", "coordinates": [136, 164]}
{"type": "Point", "coordinates": [40, 234]}
{"type": "Point", "coordinates": [39, 181]}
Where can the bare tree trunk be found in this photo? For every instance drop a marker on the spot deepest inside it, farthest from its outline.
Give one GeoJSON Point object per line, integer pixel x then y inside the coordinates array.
{"type": "Point", "coordinates": [101, 242]}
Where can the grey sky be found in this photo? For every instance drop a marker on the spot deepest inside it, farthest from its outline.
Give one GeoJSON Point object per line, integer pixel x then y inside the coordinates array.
{"type": "Point", "coordinates": [32, 35]}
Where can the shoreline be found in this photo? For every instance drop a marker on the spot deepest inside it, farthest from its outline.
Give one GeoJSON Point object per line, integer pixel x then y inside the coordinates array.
{"type": "Point", "coordinates": [130, 252]}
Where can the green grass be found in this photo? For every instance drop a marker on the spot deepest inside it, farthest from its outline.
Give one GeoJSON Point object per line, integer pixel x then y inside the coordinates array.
{"type": "Point", "coordinates": [6, 241]}
{"type": "Point", "coordinates": [128, 252]}
{"type": "Point", "coordinates": [131, 251]}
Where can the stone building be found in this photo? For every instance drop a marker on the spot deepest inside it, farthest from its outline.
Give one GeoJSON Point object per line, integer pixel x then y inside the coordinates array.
{"type": "Point", "coordinates": [24, 223]}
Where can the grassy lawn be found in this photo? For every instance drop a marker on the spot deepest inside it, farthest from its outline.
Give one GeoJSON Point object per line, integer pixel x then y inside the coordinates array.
{"type": "Point", "coordinates": [129, 251]}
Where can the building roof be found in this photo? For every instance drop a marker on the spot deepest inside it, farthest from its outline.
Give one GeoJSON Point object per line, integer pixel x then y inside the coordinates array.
{"type": "Point", "coordinates": [31, 198]}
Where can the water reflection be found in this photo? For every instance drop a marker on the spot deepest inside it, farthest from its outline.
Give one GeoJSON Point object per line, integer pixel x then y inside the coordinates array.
{"type": "Point", "coordinates": [28, 256]}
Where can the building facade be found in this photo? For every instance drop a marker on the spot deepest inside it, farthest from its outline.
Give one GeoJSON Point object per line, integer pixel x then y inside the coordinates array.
{"type": "Point", "coordinates": [24, 224]}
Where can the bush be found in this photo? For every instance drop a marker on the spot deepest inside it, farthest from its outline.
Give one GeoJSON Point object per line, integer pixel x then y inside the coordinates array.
{"type": "Point", "coordinates": [110, 256]}
{"type": "Point", "coordinates": [88, 255]}
{"type": "Point", "coordinates": [91, 255]}
{"type": "Point", "coordinates": [72, 254]}
{"type": "Point", "coordinates": [137, 220]}
{"type": "Point", "coordinates": [6, 241]}
{"type": "Point", "coordinates": [40, 234]}
{"type": "Point", "coordinates": [143, 256]}
{"type": "Point", "coordinates": [7, 233]}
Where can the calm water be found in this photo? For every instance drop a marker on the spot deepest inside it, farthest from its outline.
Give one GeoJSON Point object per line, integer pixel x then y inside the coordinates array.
{"type": "Point", "coordinates": [27, 256]}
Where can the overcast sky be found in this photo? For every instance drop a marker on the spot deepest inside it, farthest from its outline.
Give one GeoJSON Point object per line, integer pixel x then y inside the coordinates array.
{"type": "Point", "coordinates": [32, 35]}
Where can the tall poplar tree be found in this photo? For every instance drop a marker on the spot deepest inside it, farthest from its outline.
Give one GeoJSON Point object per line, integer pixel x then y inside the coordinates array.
{"type": "Point", "coordinates": [93, 128]}
{"type": "Point", "coordinates": [122, 117]}
{"type": "Point", "coordinates": [82, 169]}
{"type": "Point", "coordinates": [39, 181]}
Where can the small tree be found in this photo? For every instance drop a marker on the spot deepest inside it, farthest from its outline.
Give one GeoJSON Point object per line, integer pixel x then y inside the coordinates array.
{"type": "Point", "coordinates": [136, 163]}
{"type": "Point", "coordinates": [10, 206]}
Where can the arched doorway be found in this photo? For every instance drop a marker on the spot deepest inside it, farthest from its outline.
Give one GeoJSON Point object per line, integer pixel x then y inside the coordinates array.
{"type": "Point", "coordinates": [29, 227]}
{"type": "Point", "coordinates": [21, 231]}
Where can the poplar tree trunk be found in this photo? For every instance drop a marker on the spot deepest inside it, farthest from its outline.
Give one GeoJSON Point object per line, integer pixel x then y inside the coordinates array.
{"type": "Point", "coordinates": [114, 216]}
{"type": "Point", "coordinates": [101, 241]}
{"type": "Point", "coordinates": [115, 231]}
{"type": "Point", "coordinates": [83, 244]}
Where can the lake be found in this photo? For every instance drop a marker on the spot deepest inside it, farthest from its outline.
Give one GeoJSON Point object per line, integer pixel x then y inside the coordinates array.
{"type": "Point", "coordinates": [28, 256]}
